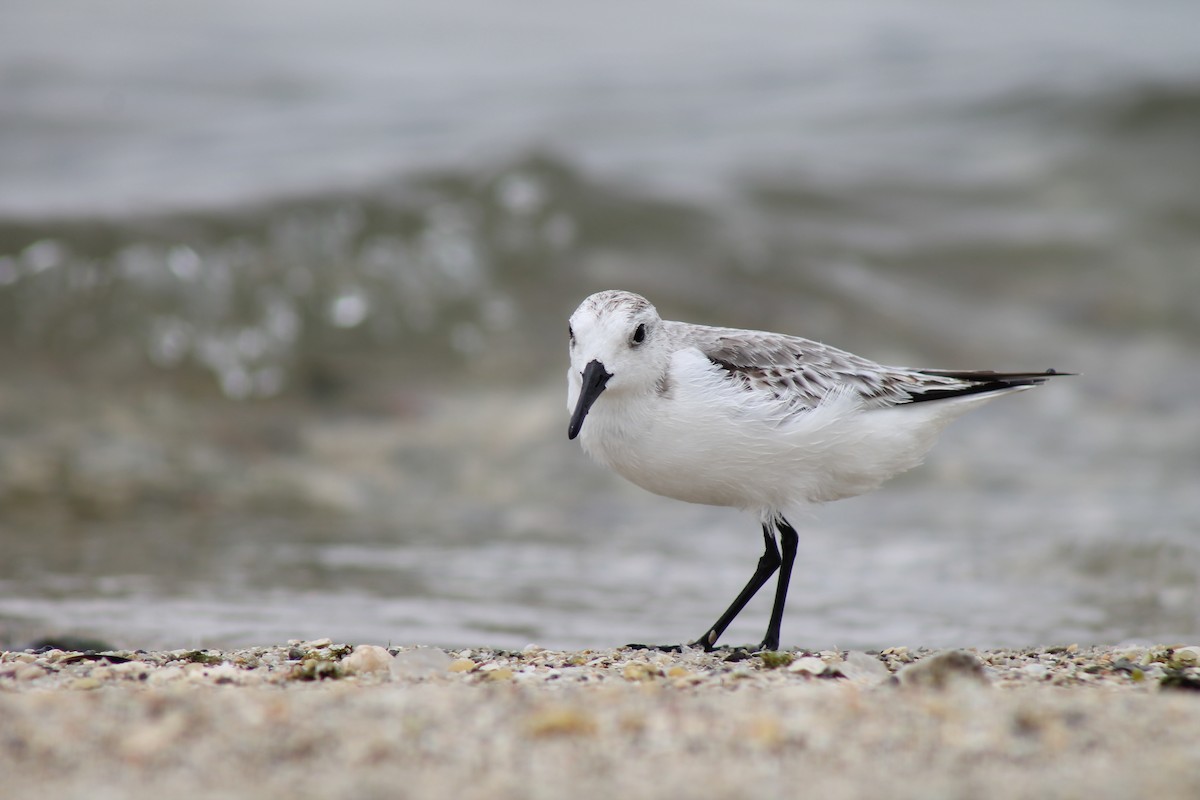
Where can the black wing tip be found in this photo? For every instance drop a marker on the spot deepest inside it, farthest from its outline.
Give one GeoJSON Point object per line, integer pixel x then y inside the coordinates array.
{"type": "Point", "coordinates": [982, 382]}
{"type": "Point", "coordinates": [987, 375]}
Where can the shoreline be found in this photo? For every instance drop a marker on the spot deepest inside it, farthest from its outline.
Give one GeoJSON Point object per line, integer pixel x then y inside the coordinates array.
{"type": "Point", "coordinates": [318, 718]}
{"type": "Point", "coordinates": [1122, 667]}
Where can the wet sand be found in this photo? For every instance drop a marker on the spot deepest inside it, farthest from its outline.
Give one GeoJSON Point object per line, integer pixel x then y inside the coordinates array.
{"type": "Point", "coordinates": [313, 719]}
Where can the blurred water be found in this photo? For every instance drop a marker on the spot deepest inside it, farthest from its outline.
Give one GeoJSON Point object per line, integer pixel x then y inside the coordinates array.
{"type": "Point", "coordinates": [282, 291]}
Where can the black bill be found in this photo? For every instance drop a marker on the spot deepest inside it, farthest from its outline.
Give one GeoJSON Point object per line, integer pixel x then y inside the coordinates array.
{"type": "Point", "coordinates": [595, 378]}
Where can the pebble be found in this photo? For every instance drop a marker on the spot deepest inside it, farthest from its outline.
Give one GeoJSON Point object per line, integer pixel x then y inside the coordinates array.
{"type": "Point", "coordinates": [420, 662]}
{"type": "Point", "coordinates": [943, 670]}
{"type": "Point", "coordinates": [1036, 671]}
{"type": "Point", "coordinates": [640, 671]}
{"type": "Point", "coordinates": [860, 667]}
{"type": "Point", "coordinates": [1186, 656]}
{"type": "Point", "coordinates": [809, 665]}
{"type": "Point", "coordinates": [368, 659]}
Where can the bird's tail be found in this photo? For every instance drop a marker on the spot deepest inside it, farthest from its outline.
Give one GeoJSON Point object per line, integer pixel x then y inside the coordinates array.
{"type": "Point", "coordinates": [968, 382]}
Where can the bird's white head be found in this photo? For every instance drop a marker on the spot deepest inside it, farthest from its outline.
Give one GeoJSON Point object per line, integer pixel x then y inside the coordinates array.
{"type": "Point", "coordinates": [618, 346]}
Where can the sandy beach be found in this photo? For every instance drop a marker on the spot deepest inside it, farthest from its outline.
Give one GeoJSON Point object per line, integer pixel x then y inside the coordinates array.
{"type": "Point", "coordinates": [320, 719]}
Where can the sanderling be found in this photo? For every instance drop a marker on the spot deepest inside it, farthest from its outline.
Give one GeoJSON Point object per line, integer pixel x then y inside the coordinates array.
{"type": "Point", "coordinates": [760, 421]}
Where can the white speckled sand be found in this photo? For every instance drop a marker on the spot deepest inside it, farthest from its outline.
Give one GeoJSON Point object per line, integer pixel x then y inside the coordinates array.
{"type": "Point", "coordinates": [316, 719]}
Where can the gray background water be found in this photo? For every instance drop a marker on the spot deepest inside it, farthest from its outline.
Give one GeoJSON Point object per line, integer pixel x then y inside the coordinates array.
{"type": "Point", "coordinates": [283, 290]}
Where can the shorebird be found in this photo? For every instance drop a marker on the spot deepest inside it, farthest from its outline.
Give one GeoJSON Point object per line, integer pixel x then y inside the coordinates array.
{"type": "Point", "coordinates": [763, 422]}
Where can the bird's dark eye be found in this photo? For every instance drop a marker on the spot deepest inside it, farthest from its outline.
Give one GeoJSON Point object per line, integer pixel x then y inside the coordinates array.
{"type": "Point", "coordinates": [639, 334]}
{"type": "Point", "coordinates": [571, 333]}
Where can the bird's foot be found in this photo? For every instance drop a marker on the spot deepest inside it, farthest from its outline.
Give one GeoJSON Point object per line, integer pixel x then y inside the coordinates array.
{"type": "Point", "coordinates": [707, 643]}
{"type": "Point", "coordinates": [736, 653]}
{"type": "Point", "coordinates": [662, 648]}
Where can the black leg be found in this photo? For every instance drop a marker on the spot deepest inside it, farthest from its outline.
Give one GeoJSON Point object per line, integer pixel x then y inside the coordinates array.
{"type": "Point", "coordinates": [789, 541]}
{"type": "Point", "coordinates": [767, 564]}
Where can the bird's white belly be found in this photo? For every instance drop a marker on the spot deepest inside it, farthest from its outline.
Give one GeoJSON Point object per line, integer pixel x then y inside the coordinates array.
{"type": "Point", "coordinates": [720, 454]}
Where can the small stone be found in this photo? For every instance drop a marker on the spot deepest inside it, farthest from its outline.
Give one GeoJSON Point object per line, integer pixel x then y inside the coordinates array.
{"type": "Point", "coordinates": [860, 667]}
{"type": "Point", "coordinates": [1186, 656]}
{"type": "Point", "coordinates": [1036, 671]}
{"type": "Point", "coordinates": [202, 657]}
{"type": "Point", "coordinates": [640, 671]}
{"type": "Point", "coordinates": [1181, 679]}
{"type": "Point", "coordinates": [85, 684]}
{"type": "Point", "coordinates": [315, 669]}
{"type": "Point", "coordinates": [501, 674]}
{"type": "Point", "coordinates": [420, 662]}
{"type": "Point", "coordinates": [943, 669]}
{"type": "Point", "coordinates": [1133, 655]}
{"type": "Point", "coordinates": [317, 644]}
{"type": "Point", "coordinates": [368, 659]}
{"type": "Point", "coordinates": [810, 665]}
{"type": "Point", "coordinates": [462, 665]}
{"type": "Point", "coordinates": [775, 660]}
{"type": "Point", "coordinates": [678, 672]}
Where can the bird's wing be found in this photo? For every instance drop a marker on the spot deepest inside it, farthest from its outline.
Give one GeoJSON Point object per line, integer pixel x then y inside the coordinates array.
{"type": "Point", "coordinates": [800, 373]}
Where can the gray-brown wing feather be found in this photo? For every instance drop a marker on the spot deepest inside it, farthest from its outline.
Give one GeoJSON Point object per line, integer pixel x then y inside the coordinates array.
{"type": "Point", "coordinates": [800, 372]}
